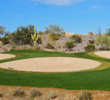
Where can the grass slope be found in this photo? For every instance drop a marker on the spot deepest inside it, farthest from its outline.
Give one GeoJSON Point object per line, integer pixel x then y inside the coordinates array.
{"type": "Point", "coordinates": [94, 79]}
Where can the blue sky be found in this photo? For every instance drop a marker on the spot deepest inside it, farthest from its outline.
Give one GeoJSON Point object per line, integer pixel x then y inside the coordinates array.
{"type": "Point", "coordinates": [77, 16]}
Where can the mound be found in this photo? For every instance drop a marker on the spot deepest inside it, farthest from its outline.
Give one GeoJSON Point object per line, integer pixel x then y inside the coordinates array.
{"type": "Point", "coordinates": [51, 64]}
{"type": "Point", "coordinates": [6, 56]}
{"type": "Point", "coordinates": [105, 54]}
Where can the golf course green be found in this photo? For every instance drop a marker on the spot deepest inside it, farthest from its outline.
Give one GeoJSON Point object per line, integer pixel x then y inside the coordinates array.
{"type": "Point", "coordinates": [92, 79]}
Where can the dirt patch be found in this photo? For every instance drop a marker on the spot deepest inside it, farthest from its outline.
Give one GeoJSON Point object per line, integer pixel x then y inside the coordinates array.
{"type": "Point", "coordinates": [62, 94]}
{"type": "Point", "coordinates": [51, 64]}
{"type": "Point", "coordinates": [6, 56]}
{"type": "Point", "coordinates": [105, 54]}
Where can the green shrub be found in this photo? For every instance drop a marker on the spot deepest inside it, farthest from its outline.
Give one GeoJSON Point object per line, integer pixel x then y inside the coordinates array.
{"type": "Point", "coordinates": [104, 42]}
{"type": "Point", "coordinates": [54, 37]}
{"type": "Point", "coordinates": [40, 33]}
{"type": "Point", "coordinates": [4, 40]}
{"type": "Point", "coordinates": [76, 38]}
{"type": "Point", "coordinates": [35, 92]}
{"type": "Point", "coordinates": [59, 47]}
{"type": "Point", "coordinates": [39, 41]}
{"type": "Point", "coordinates": [19, 92]}
{"type": "Point", "coordinates": [52, 95]}
{"type": "Point", "coordinates": [69, 44]}
{"type": "Point", "coordinates": [83, 95]}
{"type": "Point", "coordinates": [90, 48]}
{"type": "Point", "coordinates": [49, 46]}
{"type": "Point", "coordinates": [91, 41]}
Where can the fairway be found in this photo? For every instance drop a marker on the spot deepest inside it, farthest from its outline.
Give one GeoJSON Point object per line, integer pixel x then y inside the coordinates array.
{"type": "Point", "coordinates": [91, 79]}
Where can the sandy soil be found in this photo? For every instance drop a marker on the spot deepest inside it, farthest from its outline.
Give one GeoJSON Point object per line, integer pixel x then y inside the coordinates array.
{"type": "Point", "coordinates": [105, 54]}
{"type": "Point", "coordinates": [51, 64]}
{"type": "Point", "coordinates": [62, 94]}
{"type": "Point", "coordinates": [6, 56]}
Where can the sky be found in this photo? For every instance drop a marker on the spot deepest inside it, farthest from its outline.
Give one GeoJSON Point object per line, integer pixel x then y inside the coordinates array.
{"type": "Point", "coordinates": [75, 16]}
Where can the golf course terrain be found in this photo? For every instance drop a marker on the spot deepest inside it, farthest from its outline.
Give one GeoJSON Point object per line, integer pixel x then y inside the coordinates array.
{"type": "Point", "coordinates": [96, 78]}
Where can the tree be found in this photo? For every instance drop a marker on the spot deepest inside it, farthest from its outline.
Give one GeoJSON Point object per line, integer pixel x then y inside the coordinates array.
{"type": "Point", "coordinates": [23, 35]}
{"type": "Point", "coordinates": [54, 29]}
{"type": "Point", "coordinates": [104, 42]}
{"type": "Point", "coordinates": [2, 30]}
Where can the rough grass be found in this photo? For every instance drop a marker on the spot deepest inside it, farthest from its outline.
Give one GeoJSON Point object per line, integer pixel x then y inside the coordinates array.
{"type": "Point", "coordinates": [94, 79]}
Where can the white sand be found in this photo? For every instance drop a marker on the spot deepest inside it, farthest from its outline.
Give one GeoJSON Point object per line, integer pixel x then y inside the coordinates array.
{"type": "Point", "coordinates": [6, 56]}
{"type": "Point", "coordinates": [51, 64]}
{"type": "Point", "coordinates": [105, 54]}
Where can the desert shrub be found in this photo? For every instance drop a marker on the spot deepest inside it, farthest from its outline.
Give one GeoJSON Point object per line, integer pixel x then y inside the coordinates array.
{"type": "Point", "coordinates": [52, 95]}
{"type": "Point", "coordinates": [83, 95]}
{"type": "Point", "coordinates": [39, 41]}
{"type": "Point", "coordinates": [54, 37]}
{"type": "Point", "coordinates": [89, 48]}
{"type": "Point", "coordinates": [76, 38]}
{"type": "Point", "coordinates": [91, 33]}
{"type": "Point", "coordinates": [4, 40]}
{"type": "Point", "coordinates": [59, 47]}
{"type": "Point", "coordinates": [35, 92]}
{"type": "Point", "coordinates": [49, 46]}
{"type": "Point", "coordinates": [19, 92]}
{"type": "Point", "coordinates": [40, 33]}
{"type": "Point", "coordinates": [104, 42]}
{"type": "Point", "coordinates": [69, 44]}
{"type": "Point", "coordinates": [91, 41]}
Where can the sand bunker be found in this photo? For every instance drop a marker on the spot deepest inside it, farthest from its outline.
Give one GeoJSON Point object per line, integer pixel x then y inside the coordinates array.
{"type": "Point", "coordinates": [105, 54]}
{"type": "Point", "coordinates": [51, 64]}
{"type": "Point", "coordinates": [6, 56]}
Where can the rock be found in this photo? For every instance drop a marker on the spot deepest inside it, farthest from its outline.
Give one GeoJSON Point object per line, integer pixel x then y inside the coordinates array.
{"type": "Point", "coordinates": [1, 95]}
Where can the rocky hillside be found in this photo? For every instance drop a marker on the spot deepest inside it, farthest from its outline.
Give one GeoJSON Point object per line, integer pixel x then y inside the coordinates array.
{"type": "Point", "coordinates": [59, 44]}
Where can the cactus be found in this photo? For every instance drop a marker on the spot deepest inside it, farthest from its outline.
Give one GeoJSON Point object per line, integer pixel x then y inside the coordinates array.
{"type": "Point", "coordinates": [35, 36]}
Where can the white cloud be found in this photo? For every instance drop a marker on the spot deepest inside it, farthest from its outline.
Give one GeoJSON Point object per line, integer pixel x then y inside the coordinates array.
{"type": "Point", "coordinates": [58, 2]}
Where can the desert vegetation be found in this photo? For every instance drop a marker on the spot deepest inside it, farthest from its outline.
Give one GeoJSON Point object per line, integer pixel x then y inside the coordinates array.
{"type": "Point", "coordinates": [53, 38]}
{"type": "Point", "coordinates": [32, 93]}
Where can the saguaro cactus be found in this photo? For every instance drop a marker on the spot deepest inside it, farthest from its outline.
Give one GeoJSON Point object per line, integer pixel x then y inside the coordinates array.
{"type": "Point", "coordinates": [35, 36]}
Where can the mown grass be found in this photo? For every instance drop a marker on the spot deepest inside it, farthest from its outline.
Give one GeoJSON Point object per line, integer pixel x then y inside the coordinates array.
{"type": "Point", "coordinates": [94, 79]}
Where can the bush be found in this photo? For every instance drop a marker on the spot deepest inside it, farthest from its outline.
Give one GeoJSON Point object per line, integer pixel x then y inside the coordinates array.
{"type": "Point", "coordinates": [90, 48]}
{"type": "Point", "coordinates": [69, 44]}
{"type": "Point", "coordinates": [19, 92]}
{"type": "Point", "coordinates": [39, 41]}
{"type": "Point", "coordinates": [91, 41]}
{"type": "Point", "coordinates": [104, 42]}
{"type": "Point", "coordinates": [83, 95]}
{"type": "Point", "coordinates": [35, 92]}
{"type": "Point", "coordinates": [40, 33]}
{"type": "Point", "coordinates": [4, 40]}
{"type": "Point", "coordinates": [52, 95]}
{"type": "Point", "coordinates": [54, 37]}
{"type": "Point", "coordinates": [49, 46]}
{"type": "Point", "coordinates": [76, 38]}
{"type": "Point", "coordinates": [91, 33]}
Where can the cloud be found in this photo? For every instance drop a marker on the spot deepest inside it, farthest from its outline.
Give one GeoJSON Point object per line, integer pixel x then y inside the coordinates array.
{"type": "Point", "coordinates": [58, 2]}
